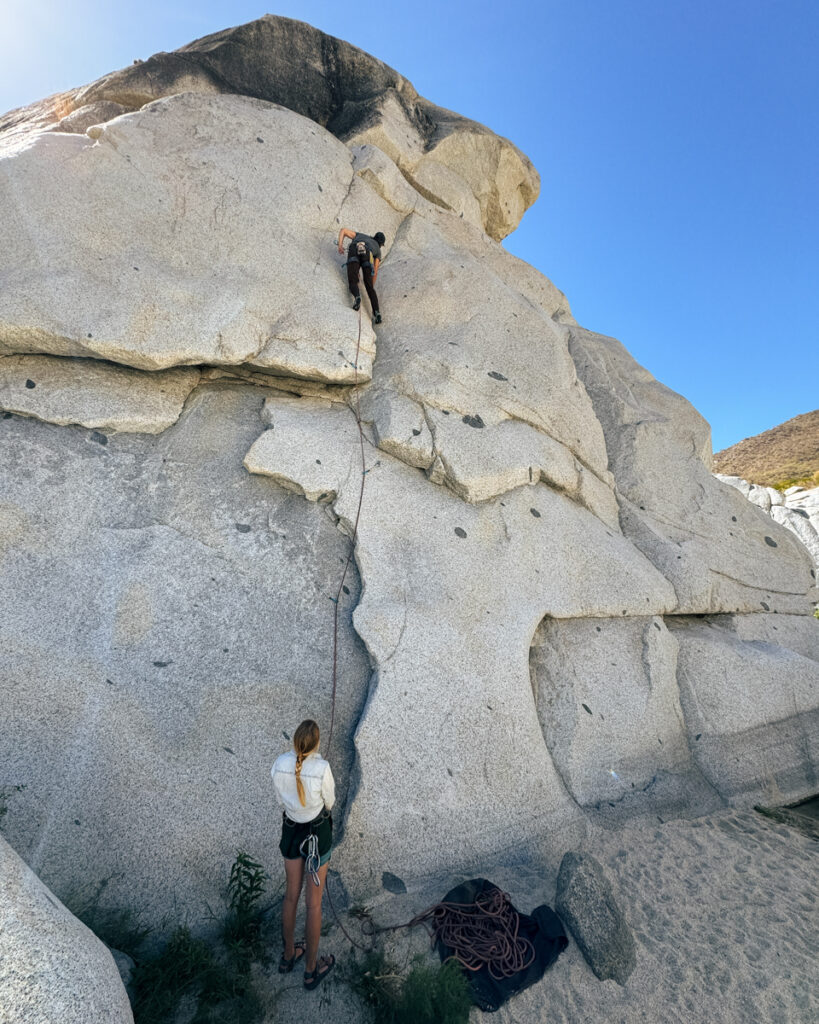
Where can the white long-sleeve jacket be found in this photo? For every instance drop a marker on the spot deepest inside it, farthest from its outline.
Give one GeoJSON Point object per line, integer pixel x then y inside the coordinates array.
{"type": "Point", "coordinates": [317, 779]}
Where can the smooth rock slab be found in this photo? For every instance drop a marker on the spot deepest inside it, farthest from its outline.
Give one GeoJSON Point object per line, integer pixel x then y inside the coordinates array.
{"type": "Point", "coordinates": [53, 970]}
{"type": "Point", "coordinates": [94, 394]}
{"type": "Point", "coordinates": [166, 624]}
{"type": "Point", "coordinates": [200, 229]}
{"type": "Point", "coordinates": [607, 700]}
{"type": "Point", "coordinates": [587, 905]}
{"type": "Point", "coordinates": [797, 509]}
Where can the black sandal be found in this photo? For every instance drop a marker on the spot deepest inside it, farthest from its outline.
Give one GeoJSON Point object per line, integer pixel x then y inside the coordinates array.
{"type": "Point", "coordinates": [285, 965]}
{"type": "Point", "coordinates": [313, 978]}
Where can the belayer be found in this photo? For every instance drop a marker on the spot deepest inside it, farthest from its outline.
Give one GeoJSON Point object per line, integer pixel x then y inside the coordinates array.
{"type": "Point", "coordinates": [304, 784]}
{"type": "Point", "coordinates": [363, 256]}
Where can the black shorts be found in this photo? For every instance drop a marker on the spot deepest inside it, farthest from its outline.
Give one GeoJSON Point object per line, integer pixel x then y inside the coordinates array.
{"type": "Point", "coordinates": [294, 834]}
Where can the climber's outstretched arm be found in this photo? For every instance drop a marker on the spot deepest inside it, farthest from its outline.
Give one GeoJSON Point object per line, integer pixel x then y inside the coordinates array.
{"type": "Point", "coordinates": [344, 233]}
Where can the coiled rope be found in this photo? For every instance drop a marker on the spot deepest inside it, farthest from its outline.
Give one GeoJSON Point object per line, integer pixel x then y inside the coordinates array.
{"type": "Point", "coordinates": [485, 933]}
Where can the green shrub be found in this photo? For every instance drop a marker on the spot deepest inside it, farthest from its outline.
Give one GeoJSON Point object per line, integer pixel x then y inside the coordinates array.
{"type": "Point", "coordinates": [185, 965]}
{"type": "Point", "coordinates": [425, 995]}
{"type": "Point", "coordinates": [216, 976]}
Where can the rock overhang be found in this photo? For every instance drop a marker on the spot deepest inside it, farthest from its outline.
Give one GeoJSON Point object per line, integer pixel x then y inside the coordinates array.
{"type": "Point", "coordinates": [338, 86]}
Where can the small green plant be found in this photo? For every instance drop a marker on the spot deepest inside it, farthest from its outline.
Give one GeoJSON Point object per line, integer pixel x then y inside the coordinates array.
{"type": "Point", "coordinates": [185, 965]}
{"type": "Point", "coordinates": [214, 976]}
{"type": "Point", "coordinates": [242, 932]}
{"type": "Point", "coordinates": [427, 994]}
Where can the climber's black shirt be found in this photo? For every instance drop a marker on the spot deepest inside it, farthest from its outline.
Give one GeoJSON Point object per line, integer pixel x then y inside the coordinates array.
{"type": "Point", "coordinates": [370, 245]}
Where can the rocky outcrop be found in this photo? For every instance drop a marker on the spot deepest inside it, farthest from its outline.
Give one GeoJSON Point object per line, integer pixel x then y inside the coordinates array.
{"type": "Point", "coordinates": [796, 508]}
{"type": "Point", "coordinates": [161, 258]}
{"type": "Point", "coordinates": [52, 968]}
{"type": "Point", "coordinates": [459, 164]}
{"type": "Point", "coordinates": [94, 394]}
{"type": "Point", "coordinates": [546, 572]}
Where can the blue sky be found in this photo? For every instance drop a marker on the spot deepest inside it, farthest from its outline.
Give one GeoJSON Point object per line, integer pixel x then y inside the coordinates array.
{"type": "Point", "coordinates": [676, 140]}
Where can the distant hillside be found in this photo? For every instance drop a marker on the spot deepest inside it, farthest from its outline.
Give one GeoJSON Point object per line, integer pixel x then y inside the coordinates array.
{"type": "Point", "coordinates": [782, 456]}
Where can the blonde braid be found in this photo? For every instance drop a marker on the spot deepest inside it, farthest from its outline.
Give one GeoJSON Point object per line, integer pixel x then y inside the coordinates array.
{"type": "Point", "coordinates": [305, 741]}
{"type": "Point", "coordinates": [299, 783]}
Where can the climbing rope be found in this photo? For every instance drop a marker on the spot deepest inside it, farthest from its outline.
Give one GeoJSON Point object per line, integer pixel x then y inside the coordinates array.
{"type": "Point", "coordinates": [480, 934]}
{"type": "Point", "coordinates": [483, 933]}
{"type": "Point", "coordinates": [337, 598]}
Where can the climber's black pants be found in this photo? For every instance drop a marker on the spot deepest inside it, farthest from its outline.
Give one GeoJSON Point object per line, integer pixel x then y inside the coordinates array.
{"type": "Point", "coordinates": [353, 267]}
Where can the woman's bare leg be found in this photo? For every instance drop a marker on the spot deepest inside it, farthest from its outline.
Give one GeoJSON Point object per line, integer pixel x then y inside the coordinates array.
{"type": "Point", "coordinates": [312, 895]}
{"type": "Point", "coordinates": [294, 873]}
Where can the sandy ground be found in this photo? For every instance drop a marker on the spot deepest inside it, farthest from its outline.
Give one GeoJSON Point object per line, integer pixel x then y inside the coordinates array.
{"type": "Point", "coordinates": [725, 915]}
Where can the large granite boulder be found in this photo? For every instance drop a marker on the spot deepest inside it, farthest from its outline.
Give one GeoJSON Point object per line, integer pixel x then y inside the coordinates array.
{"type": "Point", "coordinates": [160, 257]}
{"type": "Point", "coordinates": [546, 574]}
{"type": "Point", "coordinates": [53, 970]}
{"type": "Point", "coordinates": [459, 164]}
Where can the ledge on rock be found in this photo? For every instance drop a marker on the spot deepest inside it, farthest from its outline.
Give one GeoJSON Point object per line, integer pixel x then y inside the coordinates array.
{"type": "Point", "coordinates": [93, 394]}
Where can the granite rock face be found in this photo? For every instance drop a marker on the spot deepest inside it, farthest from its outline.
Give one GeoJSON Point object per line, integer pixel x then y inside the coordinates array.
{"type": "Point", "coordinates": [797, 509]}
{"type": "Point", "coordinates": [52, 968]}
{"type": "Point", "coordinates": [551, 595]}
{"type": "Point", "coordinates": [94, 394]}
{"type": "Point", "coordinates": [167, 624]}
{"type": "Point", "coordinates": [160, 258]}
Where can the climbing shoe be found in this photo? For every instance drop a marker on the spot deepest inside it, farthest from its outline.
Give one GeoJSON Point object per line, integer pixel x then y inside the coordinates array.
{"type": "Point", "coordinates": [376, 317]}
{"type": "Point", "coordinates": [357, 303]}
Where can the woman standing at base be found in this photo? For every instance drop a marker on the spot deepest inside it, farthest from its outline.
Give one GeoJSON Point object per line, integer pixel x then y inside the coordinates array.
{"type": "Point", "coordinates": [304, 785]}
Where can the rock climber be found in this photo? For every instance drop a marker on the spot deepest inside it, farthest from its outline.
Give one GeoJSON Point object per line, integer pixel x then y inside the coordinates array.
{"type": "Point", "coordinates": [363, 254]}
{"type": "Point", "coordinates": [304, 785]}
